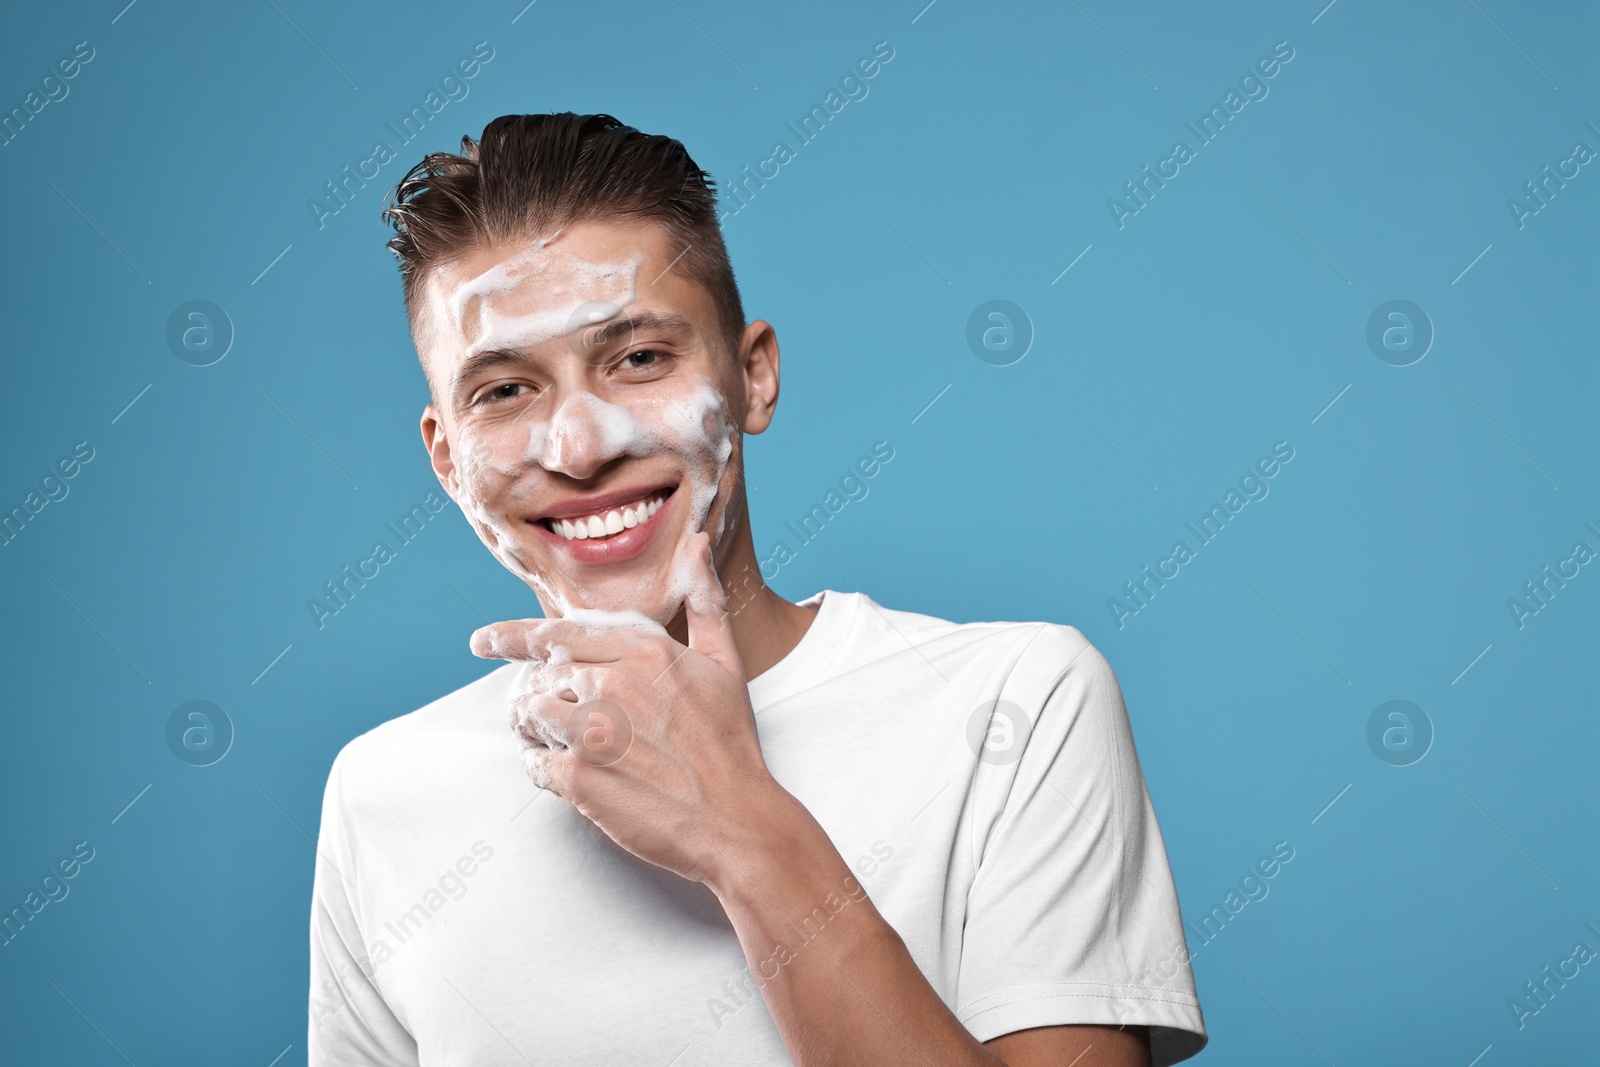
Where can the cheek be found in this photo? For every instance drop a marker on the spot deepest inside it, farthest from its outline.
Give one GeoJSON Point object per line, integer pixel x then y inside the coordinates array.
{"type": "Point", "coordinates": [689, 422]}
{"type": "Point", "coordinates": [485, 491]}
{"type": "Point", "coordinates": [487, 463]}
{"type": "Point", "coordinates": [693, 421]}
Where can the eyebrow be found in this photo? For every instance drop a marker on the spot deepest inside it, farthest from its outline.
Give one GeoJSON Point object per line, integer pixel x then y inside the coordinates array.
{"type": "Point", "coordinates": [480, 362]}
{"type": "Point", "coordinates": [643, 321]}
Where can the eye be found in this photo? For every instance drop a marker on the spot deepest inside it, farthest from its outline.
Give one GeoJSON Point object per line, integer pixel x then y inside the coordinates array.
{"type": "Point", "coordinates": [503, 391]}
{"type": "Point", "coordinates": [643, 359]}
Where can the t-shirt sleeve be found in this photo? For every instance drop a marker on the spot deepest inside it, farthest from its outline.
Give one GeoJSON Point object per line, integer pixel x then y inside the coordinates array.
{"type": "Point", "coordinates": [1072, 915]}
{"type": "Point", "coordinates": [350, 1021]}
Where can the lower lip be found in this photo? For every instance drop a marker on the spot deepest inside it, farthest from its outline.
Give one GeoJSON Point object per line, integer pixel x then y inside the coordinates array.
{"type": "Point", "coordinates": [617, 548]}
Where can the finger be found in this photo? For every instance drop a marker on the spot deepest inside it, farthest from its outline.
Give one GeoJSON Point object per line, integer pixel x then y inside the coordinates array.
{"type": "Point", "coordinates": [536, 764]}
{"type": "Point", "coordinates": [567, 681]}
{"type": "Point", "coordinates": [556, 641]}
{"type": "Point", "coordinates": [601, 732]}
{"type": "Point", "coordinates": [505, 640]}
{"type": "Point", "coordinates": [541, 720]}
{"type": "Point", "coordinates": [705, 603]}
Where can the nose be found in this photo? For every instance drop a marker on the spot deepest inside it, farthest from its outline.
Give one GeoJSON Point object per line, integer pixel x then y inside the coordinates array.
{"type": "Point", "coordinates": [584, 434]}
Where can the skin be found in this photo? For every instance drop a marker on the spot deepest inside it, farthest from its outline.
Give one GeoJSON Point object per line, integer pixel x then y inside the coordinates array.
{"type": "Point", "coordinates": [648, 730]}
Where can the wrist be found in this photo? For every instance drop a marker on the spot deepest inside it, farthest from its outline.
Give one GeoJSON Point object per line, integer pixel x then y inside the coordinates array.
{"type": "Point", "coordinates": [779, 848]}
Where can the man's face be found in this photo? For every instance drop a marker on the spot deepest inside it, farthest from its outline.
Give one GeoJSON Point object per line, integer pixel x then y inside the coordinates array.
{"type": "Point", "coordinates": [585, 416]}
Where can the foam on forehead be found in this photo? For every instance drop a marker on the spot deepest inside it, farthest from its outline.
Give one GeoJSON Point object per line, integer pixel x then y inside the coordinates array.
{"type": "Point", "coordinates": [553, 285]}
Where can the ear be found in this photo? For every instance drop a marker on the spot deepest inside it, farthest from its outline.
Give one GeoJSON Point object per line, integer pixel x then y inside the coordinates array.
{"type": "Point", "coordinates": [758, 363]}
{"type": "Point", "coordinates": [438, 446]}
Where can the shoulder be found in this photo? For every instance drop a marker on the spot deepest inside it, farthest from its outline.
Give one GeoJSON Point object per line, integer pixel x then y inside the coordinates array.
{"type": "Point", "coordinates": [1043, 652]}
{"type": "Point", "coordinates": [416, 741]}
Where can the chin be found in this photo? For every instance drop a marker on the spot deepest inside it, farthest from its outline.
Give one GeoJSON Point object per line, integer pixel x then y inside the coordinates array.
{"type": "Point", "coordinates": [648, 596]}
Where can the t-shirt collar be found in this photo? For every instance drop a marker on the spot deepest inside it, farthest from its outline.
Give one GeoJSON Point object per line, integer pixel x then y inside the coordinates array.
{"type": "Point", "coordinates": [807, 662]}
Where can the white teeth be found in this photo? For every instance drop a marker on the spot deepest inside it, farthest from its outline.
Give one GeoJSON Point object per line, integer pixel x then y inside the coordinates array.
{"type": "Point", "coordinates": [608, 523]}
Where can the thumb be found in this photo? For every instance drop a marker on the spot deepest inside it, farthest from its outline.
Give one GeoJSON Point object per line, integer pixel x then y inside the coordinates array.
{"type": "Point", "coordinates": [705, 603]}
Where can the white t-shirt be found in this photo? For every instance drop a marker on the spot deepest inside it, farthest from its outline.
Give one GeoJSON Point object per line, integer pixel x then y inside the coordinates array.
{"type": "Point", "coordinates": [461, 916]}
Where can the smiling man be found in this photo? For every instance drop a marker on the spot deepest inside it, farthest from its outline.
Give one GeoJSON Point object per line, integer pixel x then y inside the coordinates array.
{"type": "Point", "coordinates": [757, 832]}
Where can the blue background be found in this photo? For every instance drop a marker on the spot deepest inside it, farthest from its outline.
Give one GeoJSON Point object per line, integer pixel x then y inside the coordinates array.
{"type": "Point", "coordinates": [1222, 318]}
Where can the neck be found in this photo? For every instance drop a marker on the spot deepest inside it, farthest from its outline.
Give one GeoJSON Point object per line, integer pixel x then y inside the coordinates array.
{"type": "Point", "coordinates": [766, 627]}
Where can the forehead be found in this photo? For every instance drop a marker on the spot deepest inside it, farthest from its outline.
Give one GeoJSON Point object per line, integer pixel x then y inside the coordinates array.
{"type": "Point", "coordinates": [595, 240]}
{"type": "Point", "coordinates": [527, 290]}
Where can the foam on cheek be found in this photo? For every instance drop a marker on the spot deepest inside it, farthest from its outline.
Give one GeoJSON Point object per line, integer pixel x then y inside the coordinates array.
{"type": "Point", "coordinates": [477, 483]}
{"type": "Point", "coordinates": [697, 423]}
{"type": "Point", "coordinates": [690, 423]}
{"type": "Point", "coordinates": [693, 424]}
{"type": "Point", "coordinates": [560, 287]}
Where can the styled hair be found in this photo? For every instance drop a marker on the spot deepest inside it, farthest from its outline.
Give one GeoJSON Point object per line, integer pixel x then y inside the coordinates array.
{"type": "Point", "coordinates": [531, 174]}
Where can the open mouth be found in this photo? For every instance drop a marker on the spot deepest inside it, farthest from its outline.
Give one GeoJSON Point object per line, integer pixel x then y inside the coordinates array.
{"type": "Point", "coordinates": [602, 525]}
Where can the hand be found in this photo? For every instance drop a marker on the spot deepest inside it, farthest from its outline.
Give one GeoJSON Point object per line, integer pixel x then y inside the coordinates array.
{"type": "Point", "coordinates": [653, 741]}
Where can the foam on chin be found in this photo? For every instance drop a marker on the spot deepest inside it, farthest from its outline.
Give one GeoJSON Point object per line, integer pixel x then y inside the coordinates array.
{"type": "Point", "coordinates": [594, 619]}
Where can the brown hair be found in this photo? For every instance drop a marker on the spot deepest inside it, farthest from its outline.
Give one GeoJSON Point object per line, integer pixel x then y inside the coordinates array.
{"type": "Point", "coordinates": [529, 174]}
